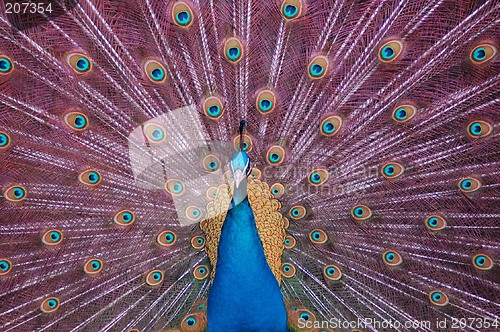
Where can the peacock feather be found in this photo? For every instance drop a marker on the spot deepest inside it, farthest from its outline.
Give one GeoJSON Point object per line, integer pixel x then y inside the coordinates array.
{"type": "Point", "coordinates": [282, 165]}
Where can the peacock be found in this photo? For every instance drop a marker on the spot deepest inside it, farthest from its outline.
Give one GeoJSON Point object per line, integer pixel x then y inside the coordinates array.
{"type": "Point", "coordinates": [280, 165]}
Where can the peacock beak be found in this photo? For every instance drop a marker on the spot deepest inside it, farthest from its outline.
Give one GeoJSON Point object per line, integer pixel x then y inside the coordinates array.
{"type": "Point", "coordinates": [238, 176]}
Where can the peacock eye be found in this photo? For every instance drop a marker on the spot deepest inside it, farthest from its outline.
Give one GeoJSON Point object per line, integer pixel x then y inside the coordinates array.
{"type": "Point", "coordinates": [200, 272]}
{"type": "Point", "coordinates": [483, 53]}
{"type": "Point", "coordinates": [233, 51]}
{"type": "Point", "coordinates": [297, 212]}
{"type": "Point", "coordinates": [318, 236]}
{"type": "Point", "coordinates": [482, 262]}
{"type": "Point", "coordinates": [5, 266]}
{"type": "Point", "coordinates": [4, 140]}
{"type": "Point", "coordinates": [318, 67]}
{"type": "Point", "coordinates": [90, 178]}
{"type": "Point", "coordinates": [52, 237]}
{"type": "Point", "coordinates": [332, 272]}
{"type": "Point", "coordinates": [212, 106]}
{"type": "Point", "coordinates": [154, 133]}
{"type": "Point", "coordinates": [79, 62]}
{"type": "Point", "coordinates": [478, 129]}
{"type": "Point", "coordinates": [404, 113]}
{"type": "Point", "coordinates": [469, 184]}
{"type": "Point", "coordinates": [93, 266]}
{"type": "Point", "coordinates": [392, 170]}
{"type": "Point", "coordinates": [211, 163]}
{"type": "Point", "coordinates": [438, 298]}
{"type": "Point", "coordinates": [291, 9]}
{"type": "Point", "coordinates": [392, 258]}
{"type": "Point", "coordinates": [287, 270]}
{"type": "Point", "coordinates": [290, 242]}
{"type": "Point", "coordinates": [6, 65]}
{"type": "Point", "coordinates": [166, 238]}
{"type": "Point", "coordinates": [154, 278]}
{"type": "Point", "coordinates": [390, 51]}
{"type": "Point", "coordinates": [247, 143]}
{"type": "Point", "coordinates": [175, 187]}
{"type": "Point", "coordinates": [361, 212]}
{"type": "Point", "coordinates": [255, 173]}
{"type": "Point", "coordinates": [49, 305]}
{"type": "Point", "coordinates": [155, 71]}
{"type": "Point", "coordinates": [275, 155]}
{"type": "Point", "coordinates": [198, 242]}
{"type": "Point", "coordinates": [195, 322]}
{"type": "Point", "coordinates": [318, 177]}
{"type": "Point", "coordinates": [182, 14]}
{"type": "Point", "coordinates": [193, 213]}
{"type": "Point", "coordinates": [211, 193]}
{"type": "Point", "coordinates": [277, 190]}
{"type": "Point", "coordinates": [15, 193]}
{"type": "Point", "coordinates": [331, 125]}
{"type": "Point", "coordinates": [124, 218]}
{"type": "Point", "coordinates": [435, 223]}
{"type": "Point", "coordinates": [76, 120]}
{"type": "Point", "coordinates": [266, 101]}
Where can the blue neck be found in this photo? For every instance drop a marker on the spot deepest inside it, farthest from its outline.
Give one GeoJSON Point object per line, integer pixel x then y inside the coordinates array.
{"type": "Point", "coordinates": [245, 295]}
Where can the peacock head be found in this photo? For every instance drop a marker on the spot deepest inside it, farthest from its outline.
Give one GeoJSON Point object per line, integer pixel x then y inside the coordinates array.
{"type": "Point", "coordinates": [240, 166]}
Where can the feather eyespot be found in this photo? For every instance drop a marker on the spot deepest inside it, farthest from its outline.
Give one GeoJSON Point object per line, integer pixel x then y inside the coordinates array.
{"type": "Point", "coordinates": [361, 212]}
{"type": "Point", "coordinates": [478, 129]}
{"type": "Point", "coordinates": [155, 71]}
{"type": "Point", "coordinates": [277, 190]}
{"type": "Point", "coordinates": [287, 270]}
{"type": "Point", "coordinates": [331, 125]}
{"type": "Point", "coordinates": [233, 50]}
{"type": "Point", "coordinates": [318, 177]}
{"type": "Point", "coordinates": [6, 65]}
{"type": "Point", "coordinates": [318, 67]}
{"type": "Point", "coordinates": [390, 51]}
{"type": "Point", "coordinates": [392, 258]}
{"type": "Point", "coordinates": [469, 184]}
{"type": "Point", "coordinates": [166, 238]}
{"type": "Point", "coordinates": [392, 170]}
{"type": "Point", "coordinates": [256, 173]}
{"type": "Point", "coordinates": [182, 14]}
{"type": "Point", "coordinates": [175, 187]}
{"type": "Point", "coordinates": [212, 106]}
{"type": "Point", "coordinates": [482, 262]}
{"type": "Point", "coordinates": [15, 193]}
{"type": "Point", "coordinates": [154, 278]}
{"type": "Point", "coordinates": [93, 266]}
{"type": "Point", "coordinates": [79, 62]}
{"type": "Point", "coordinates": [318, 236]}
{"type": "Point", "coordinates": [198, 242]}
{"type": "Point", "coordinates": [438, 298]}
{"type": "Point", "coordinates": [332, 272]}
{"type": "Point", "coordinates": [290, 242]}
{"type": "Point", "coordinates": [76, 120]}
{"type": "Point", "coordinates": [4, 140]}
{"type": "Point", "coordinates": [275, 155]}
{"type": "Point", "coordinates": [404, 113]}
{"type": "Point", "coordinates": [483, 53]}
{"type": "Point", "coordinates": [124, 218]}
{"type": "Point", "coordinates": [50, 304]}
{"type": "Point", "coordinates": [247, 143]}
{"type": "Point", "coordinates": [52, 237]}
{"type": "Point", "coordinates": [266, 101]}
{"type": "Point", "coordinates": [196, 322]}
{"type": "Point", "coordinates": [200, 272]}
{"type": "Point", "coordinates": [291, 9]}
{"type": "Point", "coordinates": [211, 163]}
{"type": "Point", "coordinates": [193, 213]}
{"type": "Point", "coordinates": [5, 266]}
{"type": "Point", "coordinates": [297, 212]}
{"type": "Point", "coordinates": [435, 223]}
{"type": "Point", "coordinates": [90, 178]}
{"type": "Point", "coordinates": [211, 193]}
{"type": "Point", "coordinates": [297, 314]}
{"type": "Point", "coordinates": [154, 133]}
